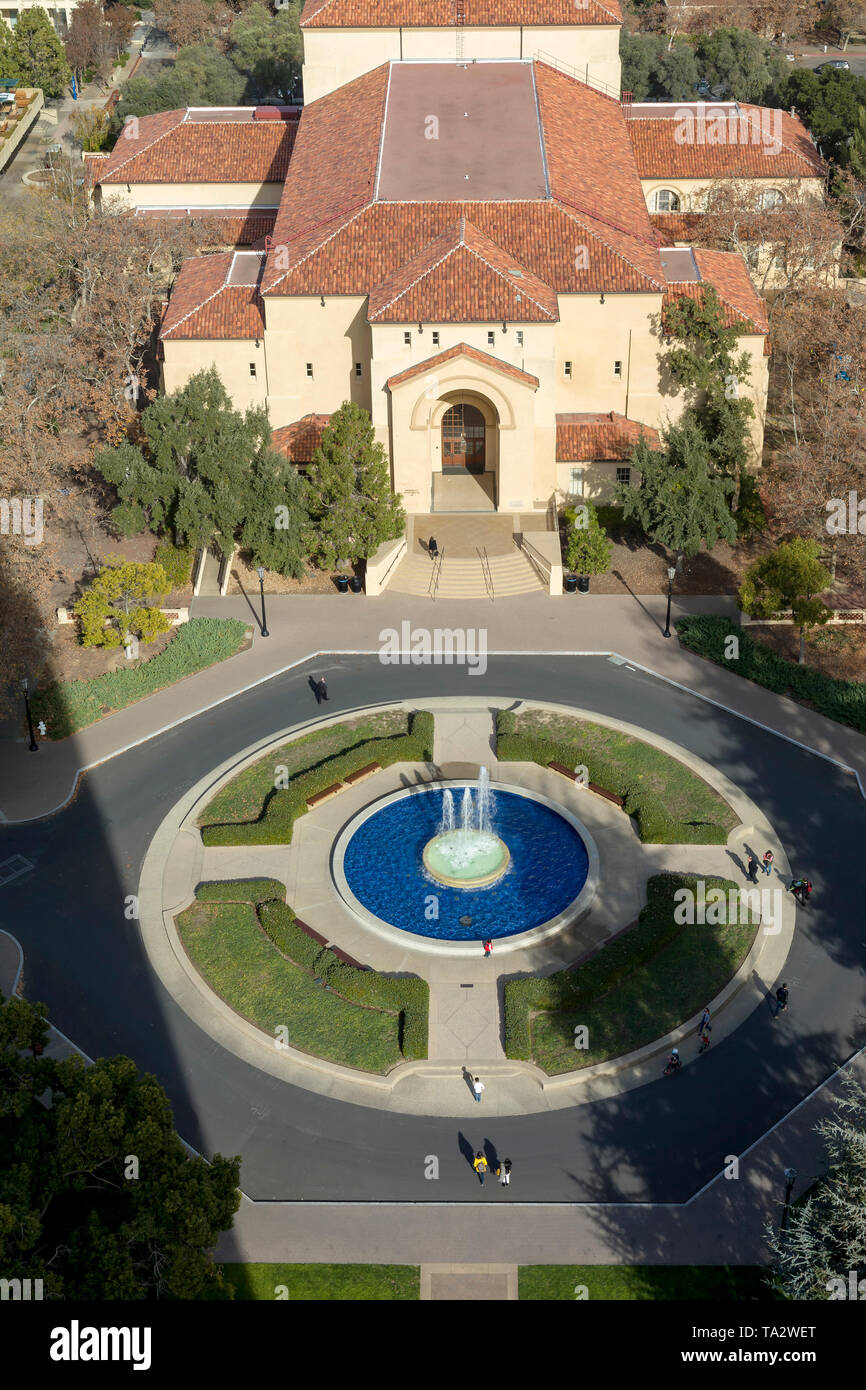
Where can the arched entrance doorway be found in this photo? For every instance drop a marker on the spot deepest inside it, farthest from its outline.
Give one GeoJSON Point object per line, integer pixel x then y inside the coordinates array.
{"type": "Point", "coordinates": [463, 439]}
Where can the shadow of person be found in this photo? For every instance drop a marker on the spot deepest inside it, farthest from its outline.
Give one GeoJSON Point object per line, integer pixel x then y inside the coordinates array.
{"type": "Point", "coordinates": [469, 1077]}
{"type": "Point", "coordinates": [738, 861]}
{"type": "Point", "coordinates": [465, 1148]}
{"type": "Point", "coordinates": [316, 688]}
{"type": "Point", "coordinates": [491, 1155]}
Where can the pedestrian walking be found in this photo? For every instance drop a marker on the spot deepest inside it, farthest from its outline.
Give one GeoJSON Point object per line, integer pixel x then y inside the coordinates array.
{"type": "Point", "coordinates": [801, 888]}
{"type": "Point", "coordinates": [323, 688]}
{"type": "Point", "coordinates": [767, 861]}
{"type": "Point", "coordinates": [674, 1062]}
{"type": "Point", "coordinates": [432, 547]}
{"type": "Point", "coordinates": [705, 1036]}
{"type": "Point", "coordinates": [705, 1018]}
{"type": "Point", "coordinates": [752, 874]}
{"type": "Point", "coordinates": [503, 1172]}
{"type": "Point", "coordinates": [781, 999]}
{"type": "Point", "coordinates": [488, 947]}
{"type": "Point", "coordinates": [477, 1088]}
{"type": "Point", "coordinates": [479, 1163]}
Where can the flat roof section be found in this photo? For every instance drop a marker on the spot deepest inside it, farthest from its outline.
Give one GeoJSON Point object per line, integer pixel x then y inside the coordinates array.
{"type": "Point", "coordinates": [457, 131]}
{"type": "Point", "coordinates": [679, 264]}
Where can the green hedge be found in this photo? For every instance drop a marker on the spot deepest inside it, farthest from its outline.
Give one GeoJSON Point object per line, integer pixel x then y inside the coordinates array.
{"type": "Point", "coordinates": [622, 771]}
{"type": "Point", "coordinates": [283, 805]}
{"type": "Point", "coordinates": [407, 997]}
{"type": "Point", "coordinates": [242, 890]}
{"type": "Point", "coordinates": [844, 701]}
{"type": "Point", "coordinates": [607, 968]}
{"type": "Point", "coordinates": [67, 706]}
{"type": "Point", "coordinates": [176, 561]}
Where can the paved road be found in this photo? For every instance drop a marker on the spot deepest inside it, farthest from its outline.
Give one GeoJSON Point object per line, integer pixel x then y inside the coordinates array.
{"type": "Point", "coordinates": [660, 1143]}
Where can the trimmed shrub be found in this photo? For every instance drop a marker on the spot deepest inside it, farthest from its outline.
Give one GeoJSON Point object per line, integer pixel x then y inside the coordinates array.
{"type": "Point", "coordinates": [242, 890]}
{"type": "Point", "coordinates": [67, 706]}
{"type": "Point", "coordinates": [623, 772]}
{"type": "Point", "coordinates": [279, 924]}
{"type": "Point", "coordinates": [177, 561]}
{"type": "Point", "coordinates": [283, 805]}
{"type": "Point", "coordinates": [844, 701]}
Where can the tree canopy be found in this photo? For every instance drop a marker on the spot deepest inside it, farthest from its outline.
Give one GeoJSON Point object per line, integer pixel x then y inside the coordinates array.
{"type": "Point", "coordinates": [38, 54]}
{"type": "Point", "coordinates": [352, 508]}
{"type": "Point", "coordinates": [833, 106]}
{"type": "Point", "coordinates": [682, 501]}
{"type": "Point", "coordinates": [788, 578]}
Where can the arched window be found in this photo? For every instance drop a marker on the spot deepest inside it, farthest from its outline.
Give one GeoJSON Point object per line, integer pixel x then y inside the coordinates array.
{"type": "Point", "coordinates": [769, 198]}
{"type": "Point", "coordinates": [664, 200]}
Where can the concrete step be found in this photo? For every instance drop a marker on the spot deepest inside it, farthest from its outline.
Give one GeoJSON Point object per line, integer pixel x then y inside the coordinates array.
{"type": "Point", "coordinates": [463, 577]}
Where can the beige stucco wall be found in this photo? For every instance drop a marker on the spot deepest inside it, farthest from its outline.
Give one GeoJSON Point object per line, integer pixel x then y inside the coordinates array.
{"type": "Point", "coordinates": [231, 357]}
{"type": "Point", "coordinates": [188, 195]}
{"type": "Point", "coordinates": [599, 479]}
{"type": "Point", "coordinates": [333, 57]}
{"type": "Point", "coordinates": [691, 192]}
{"type": "Point", "coordinates": [333, 338]}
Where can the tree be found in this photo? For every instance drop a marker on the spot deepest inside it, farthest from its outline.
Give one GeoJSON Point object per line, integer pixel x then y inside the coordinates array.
{"type": "Point", "coordinates": [588, 550]}
{"type": "Point", "coordinates": [268, 49]}
{"type": "Point", "coordinates": [682, 501]}
{"type": "Point", "coordinates": [190, 21]}
{"type": "Point", "coordinates": [41, 60]}
{"type": "Point", "coordinates": [119, 604]}
{"type": "Point", "coordinates": [8, 54]}
{"type": "Point", "coordinates": [847, 17]}
{"type": "Point", "coordinates": [653, 70]}
{"type": "Point", "coordinates": [73, 1210]}
{"type": "Point", "coordinates": [828, 103]}
{"type": "Point", "coordinates": [200, 76]}
{"type": "Point", "coordinates": [87, 44]}
{"type": "Point", "coordinates": [825, 1235]}
{"type": "Point", "coordinates": [789, 577]}
{"type": "Point", "coordinates": [93, 128]}
{"type": "Point", "coordinates": [208, 473]}
{"type": "Point", "coordinates": [352, 507]}
{"type": "Point", "coordinates": [744, 64]}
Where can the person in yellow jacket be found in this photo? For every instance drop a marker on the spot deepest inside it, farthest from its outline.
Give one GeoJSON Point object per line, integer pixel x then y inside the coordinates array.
{"type": "Point", "coordinates": [479, 1163]}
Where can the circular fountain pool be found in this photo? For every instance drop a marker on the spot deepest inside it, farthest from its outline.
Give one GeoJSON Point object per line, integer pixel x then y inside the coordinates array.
{"type": "Point", "coordinates": [530, 874]}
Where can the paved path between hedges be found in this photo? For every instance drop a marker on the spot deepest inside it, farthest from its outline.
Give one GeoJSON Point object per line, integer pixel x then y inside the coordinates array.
{"type": "Point", "coordinates": [35, 784]}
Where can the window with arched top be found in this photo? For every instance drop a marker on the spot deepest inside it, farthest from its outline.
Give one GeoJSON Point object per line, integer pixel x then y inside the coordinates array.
{"type": "Point", "coordinates": [769, 198]}
{"type": "Point", "coordinates": [665, 200]}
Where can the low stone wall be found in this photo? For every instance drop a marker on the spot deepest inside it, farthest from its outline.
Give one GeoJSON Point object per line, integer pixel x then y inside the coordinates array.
{"type": "Point", "coordinates": [842, 617]}
{"type": "Point", "coordinates": [176, 615]}
{"type": "Point", "coordinates": [543, 550]}
{"type": "Point", "coordinates": [16, 131]}
{"type": "Point", "coordinates": [381, 566]}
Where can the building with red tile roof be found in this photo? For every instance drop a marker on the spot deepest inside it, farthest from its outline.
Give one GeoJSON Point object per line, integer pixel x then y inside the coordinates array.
{"type": "Point", "coordinates": [300, 440]}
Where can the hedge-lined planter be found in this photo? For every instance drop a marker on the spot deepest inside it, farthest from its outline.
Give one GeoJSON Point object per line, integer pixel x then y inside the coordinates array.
{"type": "Point", "coordinates": [588, 994]}
{"type": "Point", "coordinates": [623, 772]}
{"type": "Point", "coordinates": [284, 805]}
{"type": "Point", "coordinates": [844, 701]}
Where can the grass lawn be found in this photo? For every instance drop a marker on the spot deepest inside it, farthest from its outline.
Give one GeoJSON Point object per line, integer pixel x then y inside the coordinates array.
{"type": "Point", "coordinates": [719, 1283]}
{"type": "Point", "coordinates": [325, 1283]}
{"type": "Point", "coordinates": [242, 799]}
{"type": "Point", "coordinates": [671, 802]}
{"type": "Point", "coordinates": [232, 953]}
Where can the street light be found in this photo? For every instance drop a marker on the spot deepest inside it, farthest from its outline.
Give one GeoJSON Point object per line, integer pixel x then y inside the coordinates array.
{"type": "Point", "coordinates": [672, 574]}
{"type": "Point", "coordinates": [265, 632]}
{"type": "Point", "coordinates": [34, 746]}
{"type": "Point", "coordinates": [790, 1179]}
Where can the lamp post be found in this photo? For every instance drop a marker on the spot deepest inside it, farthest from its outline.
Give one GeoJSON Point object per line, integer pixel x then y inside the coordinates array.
{"type": "Point", "coordinates": [671, 577]}
{"type": "Point", "coordinates": [34, 746]}
{"type": "Point", "coordinates": [265, 632]}
{"type": "Point", "coordinates": [790, 1179]}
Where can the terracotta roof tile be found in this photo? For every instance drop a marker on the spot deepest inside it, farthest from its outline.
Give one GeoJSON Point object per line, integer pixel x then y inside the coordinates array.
{"type": "Point", "coordinates": [420, 14]}
{"type": "Point", "coordinates": [230, 226]}
{"type": "Point", "coordinates": [203, 305]}
{"type": "Point", "coordinates": [463, 349]}
{"type": "Point", "coordinates": [727, 273]}
{"type": "Point", "coordinates": [722, 140]}
{"type": "Point", "coordinates": [675, 226]}
{"type": "Point", "coordinates": [582, 436]}
{"type": "Point", "coordinates": [168, 148]}
{"type": "Point", "coordinates": [462, 277]}
{"type": "Point", "coordinates": [300, 440]}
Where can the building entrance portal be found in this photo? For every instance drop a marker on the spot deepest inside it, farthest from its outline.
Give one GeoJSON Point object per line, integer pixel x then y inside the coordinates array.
{"type": "Point", "coordinates": [463, 439]}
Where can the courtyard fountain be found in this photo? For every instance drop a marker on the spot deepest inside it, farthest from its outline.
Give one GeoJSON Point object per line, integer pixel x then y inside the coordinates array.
{"type": "Point", "coordinates": [468, 854]}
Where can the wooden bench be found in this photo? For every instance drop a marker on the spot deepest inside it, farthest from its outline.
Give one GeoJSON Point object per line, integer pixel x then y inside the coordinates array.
{"type": "Point", "coordinates": [321, 797]}
{"type": "Point", "coordinates": [593, 786]}
{"type": "Point", "coordinates": [362, 772]}
{"type": "Point", "coordinates": [322, 940]}
{"type": "Point", "coordinates": [347, 959]}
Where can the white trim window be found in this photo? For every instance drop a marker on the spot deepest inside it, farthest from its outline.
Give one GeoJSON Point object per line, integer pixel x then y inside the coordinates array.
{"type": "Point", "coordinates": [575, 485]}
{"type": "Point", "coordinates": [665, 200]}
{"type": "Point", "coordinates": [768, 199]}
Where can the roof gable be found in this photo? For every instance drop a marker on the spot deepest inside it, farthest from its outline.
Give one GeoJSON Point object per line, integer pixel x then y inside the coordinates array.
{"type": "Point", "coordinates": [170, 148]}
{"type": "Point", "coordinates": [216, 297]}
{"type": "Point", "coordinates": [585, 437]}
{"type": "Point", "coordinates": [485, 359]}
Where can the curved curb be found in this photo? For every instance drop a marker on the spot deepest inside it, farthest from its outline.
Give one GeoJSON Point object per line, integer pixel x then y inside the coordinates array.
{"type": "Point", "coordinates": [169, 959]}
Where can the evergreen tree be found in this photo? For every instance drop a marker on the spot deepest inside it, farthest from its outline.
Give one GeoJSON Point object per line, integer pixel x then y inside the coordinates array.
{"type": "Point", "coordinates": [41, 58]}
{"type": "Point", "coordinates": [8, 54]}
{"type": "Point", "coordinates": [827, 103]}
{"type": "Point", "coordinates": [743, 63]}
{"type": "Point", "coordinates": [268, 49]}
{"type": "Point", "coordinates": [209, 474]}
{"type": "Point", "coordinates": [588, 550]}
{"type": "Point", "coordinates": [352, 508]}
{"type": "Point", "coordinates": [682, 502]}
{"type": "Point", "coordinates": [789, 577]}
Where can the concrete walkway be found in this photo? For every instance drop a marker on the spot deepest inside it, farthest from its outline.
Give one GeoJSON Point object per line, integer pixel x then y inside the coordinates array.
{"type": "Point", "coordinates": [33, 785]}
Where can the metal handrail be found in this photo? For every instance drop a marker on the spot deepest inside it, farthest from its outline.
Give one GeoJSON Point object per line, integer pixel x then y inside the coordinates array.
{"type": "Point", "coordinates": [603, 87]}
{"type": "Point", "coordinates": [485, 570]}
{"type": "Point", "coordinates": [433, 586]}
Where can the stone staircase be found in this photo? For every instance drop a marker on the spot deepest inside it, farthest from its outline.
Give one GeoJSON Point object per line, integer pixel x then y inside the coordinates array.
{"type": "Point", "coordinates": [463, 577]}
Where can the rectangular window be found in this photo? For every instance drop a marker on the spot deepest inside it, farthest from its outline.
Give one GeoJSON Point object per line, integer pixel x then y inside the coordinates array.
{"type": "Point", "coordinates": [617, 368]}
{"type": "Point", "coordinates": [520, 337]}
{"type": "Point", "coordinates": [576, 487]}
{"type": "Point", "coordinates": [407, 339]}
{"type": "Point", "coordinates": [309, 369]}
{"type": "Point", "coordinates": [252, 369]}
{"type": "Point", "coordinates": [357, 369]}
{"type": "Point", "coordinates": [491, 339]}
{"type": "Point", "coordinates": [623, 475]}
{"type": "Point", "coordinates": [568, 369]}
{"type": "Point", "coordinates": [435, 339]}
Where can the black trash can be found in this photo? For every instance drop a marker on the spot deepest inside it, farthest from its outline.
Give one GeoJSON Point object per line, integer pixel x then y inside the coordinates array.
{"type": "Point", "coordinates": [570, 583]}
{"type": "Point", "coordinates": [342, 584]}
{"type": "Point", "coordinates": [583, 584]}
{"type": "Point", "coordinates": [355, 584]}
